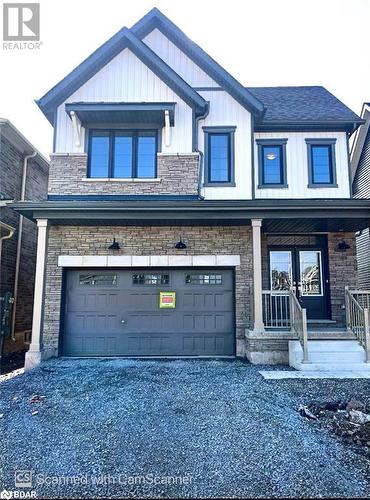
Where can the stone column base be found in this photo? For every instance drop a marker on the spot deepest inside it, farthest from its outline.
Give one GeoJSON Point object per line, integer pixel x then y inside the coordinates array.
{"type": "Point", "coordinates": [32, 360]}
{"type": "Point", "coordinates": [267, 348]}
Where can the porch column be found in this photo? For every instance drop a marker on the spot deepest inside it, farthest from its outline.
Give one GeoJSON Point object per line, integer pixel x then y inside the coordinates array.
{"type": "Point", "coordinates": [33, 356]}
{"type": "Point", "coordinates": [257, 276]}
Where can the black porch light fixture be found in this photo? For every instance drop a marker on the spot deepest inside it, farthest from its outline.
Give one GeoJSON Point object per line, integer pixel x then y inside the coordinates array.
{"type": "Point", "coordinates": [180, 245]}
{"type": "Point", "coordinates": [114, 245]}
{"type": "Point", "coordinates": [343, 246]}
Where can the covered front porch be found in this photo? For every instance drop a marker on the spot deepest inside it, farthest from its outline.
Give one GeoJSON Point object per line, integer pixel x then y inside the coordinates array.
{"type": "Point", "coordinates": [305, 290]}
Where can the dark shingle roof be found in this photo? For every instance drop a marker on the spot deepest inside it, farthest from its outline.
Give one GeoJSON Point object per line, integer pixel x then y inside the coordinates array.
{"type": "Point", "coordinates": [302, 104]}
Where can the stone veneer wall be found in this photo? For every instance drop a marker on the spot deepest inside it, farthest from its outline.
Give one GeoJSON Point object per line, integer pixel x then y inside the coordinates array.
{"type": "Point", "coordinates": [91, 240]}
{"type": "Point", "coordinates": [177, 175]}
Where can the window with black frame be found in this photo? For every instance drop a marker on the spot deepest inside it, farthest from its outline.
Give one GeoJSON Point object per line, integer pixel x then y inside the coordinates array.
{"type": "Point", "coordinates": [272, 163]}
{"type": "Point", "coordinates": [123, 154]}
{"type": "Point", "coordinates": [321, 163]}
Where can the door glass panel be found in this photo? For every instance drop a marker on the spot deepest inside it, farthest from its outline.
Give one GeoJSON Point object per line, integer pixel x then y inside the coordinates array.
{"type": "Point", "coordinates": [281, 270]}
{"type": "Point", "coordinates": [310, 272]}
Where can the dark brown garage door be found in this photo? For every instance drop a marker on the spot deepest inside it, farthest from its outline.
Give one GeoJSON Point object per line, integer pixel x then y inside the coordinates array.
{"type": "Point", "coordinates": [119, 313]}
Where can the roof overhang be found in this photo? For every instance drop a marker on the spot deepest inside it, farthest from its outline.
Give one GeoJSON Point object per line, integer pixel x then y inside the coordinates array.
{"type": "Point", "coordinates": [279, 216]}
{"type": "Point", "coordinates": [91, 114]}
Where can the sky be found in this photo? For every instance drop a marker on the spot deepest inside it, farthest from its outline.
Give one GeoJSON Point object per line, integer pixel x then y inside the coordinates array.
{"type": "Point", "coordinates": [260, 42]}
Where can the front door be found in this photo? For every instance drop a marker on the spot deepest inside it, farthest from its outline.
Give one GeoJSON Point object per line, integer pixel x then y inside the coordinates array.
{"type": "Point", "coordinates": [304, 268]}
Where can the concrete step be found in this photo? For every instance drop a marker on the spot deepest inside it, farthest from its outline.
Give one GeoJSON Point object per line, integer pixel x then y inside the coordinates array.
{"type": "Point", "coordinates": [329, 355]}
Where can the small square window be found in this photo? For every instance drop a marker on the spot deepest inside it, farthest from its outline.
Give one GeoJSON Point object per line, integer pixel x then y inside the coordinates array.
{"type": "Point", "coordinates": [150, 279]}
{"type": "Point", "coordinates": [91, 279]}
{"type": "Point", "coordinates": [203, 279]}
{"type": "Point", "coordinates": [272, 163]}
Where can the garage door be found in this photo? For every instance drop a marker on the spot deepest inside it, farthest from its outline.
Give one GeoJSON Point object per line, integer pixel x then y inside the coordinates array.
{"type": "Point", "coordinates": [122, 313]}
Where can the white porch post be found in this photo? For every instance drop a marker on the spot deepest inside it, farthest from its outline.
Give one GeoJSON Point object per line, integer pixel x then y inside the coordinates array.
{"type": "Point", "coordinates": [33, 356]}
{"type": "Point", "coordinates": [257, 276]}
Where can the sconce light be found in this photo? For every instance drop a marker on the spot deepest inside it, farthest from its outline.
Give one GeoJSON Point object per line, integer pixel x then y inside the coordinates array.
{"type": "Point", "coordinates": [114, 245]}
{"type": "Point", "coordinates": [343, 246]}
{"type": "Point", "coordinates": [180, 245]}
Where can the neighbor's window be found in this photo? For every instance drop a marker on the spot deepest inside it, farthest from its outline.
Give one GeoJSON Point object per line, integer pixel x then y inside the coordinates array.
{"type": "Point", "coordinates": [321, 162]}
{"type": "Point", "coordinates": [91, 279]}
{"type": "Point", "coordinates": [272, 163]}
{"type": "Point", "coordinates": [124, 154]}
{"type": "Point", "coordinates": [219, 155]}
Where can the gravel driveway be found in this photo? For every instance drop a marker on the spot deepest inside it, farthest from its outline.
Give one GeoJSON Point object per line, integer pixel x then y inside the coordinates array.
{"type": "Point", "coordinates": [200, 428]}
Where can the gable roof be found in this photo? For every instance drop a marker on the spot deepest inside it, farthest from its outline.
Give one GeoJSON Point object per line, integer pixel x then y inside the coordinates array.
{"type": "Point", "coordinates": [98, 59]}
{"type": "Point", "coordinates": [310, 106]}
{"type": "Point", "coordinates": [155, 19]}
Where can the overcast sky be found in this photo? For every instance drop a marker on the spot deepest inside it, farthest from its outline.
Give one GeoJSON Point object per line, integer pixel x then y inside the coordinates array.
{"type": "Point", "coordinates": [260, 42]}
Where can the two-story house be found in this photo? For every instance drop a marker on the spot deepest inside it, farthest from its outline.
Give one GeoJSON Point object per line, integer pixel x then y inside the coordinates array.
{"type": "Point", "coordinates": [188, 215]}
{"type": "Point", "coordinates": [23, 176]}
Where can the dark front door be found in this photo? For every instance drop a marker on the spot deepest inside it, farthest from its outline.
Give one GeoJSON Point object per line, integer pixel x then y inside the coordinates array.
{"type": "Point", "coordinates": [304, 268]}
{"type": "Point", "coordinates": [121, 313]}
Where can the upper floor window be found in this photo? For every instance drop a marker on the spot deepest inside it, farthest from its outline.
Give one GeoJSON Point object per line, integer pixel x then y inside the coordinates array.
{"type": "Point", "coordinates": [123, 154]}
{"type": "Point", "coordinates": [321, 163]}
{"type": "Point", "coordinates": [272, 163]}
{"type": "Point", "coordinates": [219, 156]}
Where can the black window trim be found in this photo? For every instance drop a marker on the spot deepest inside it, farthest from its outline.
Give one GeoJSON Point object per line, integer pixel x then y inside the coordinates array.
{"type": "Point", "coordinates": [219, 130]}
{"type": "Point", "coordinates": [281, 143]}
{"type": "Point", "coordinates": [321, 142]}
{"type": "Point", "coordinates": [111, 133]}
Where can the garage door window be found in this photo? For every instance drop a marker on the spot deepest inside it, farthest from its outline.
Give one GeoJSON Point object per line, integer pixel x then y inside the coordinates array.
{"type": "Point", "coordinates": [203, 279]}
{"type": "Point", "coordinates": [98, 279]}
{"type": "Point", "coordinates": [150, 279]}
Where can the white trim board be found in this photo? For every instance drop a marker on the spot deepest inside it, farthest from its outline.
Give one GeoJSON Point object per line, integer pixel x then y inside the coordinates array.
{"type": "Point", "coordinates": [147, 260]}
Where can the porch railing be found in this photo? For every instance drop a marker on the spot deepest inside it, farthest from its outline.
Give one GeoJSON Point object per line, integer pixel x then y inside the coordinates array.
{"type": "Point", "coordinates": [276, 309]}
{"type": "Point", "coordinates": [281, 309]}
{"type": "Point", "coordinates": [358, 316]}
{"type": "Point", "coordinates": [298, 323]}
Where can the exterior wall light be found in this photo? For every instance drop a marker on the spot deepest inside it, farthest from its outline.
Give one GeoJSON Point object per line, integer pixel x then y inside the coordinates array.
{"type": "Point", "coordinates": [114, 245]}
{"type": "Point", "coordinates": [343, 246]}
{"type": "Point", "coordinates": [180, 245]}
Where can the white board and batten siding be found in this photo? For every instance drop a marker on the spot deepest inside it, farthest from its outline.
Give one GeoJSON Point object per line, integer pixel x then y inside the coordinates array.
{"type": "Point", "coordinates": [126, 79]}
{"type": "Point", "coordinates": [178, 61]}
{"type": "Point", "coordinates": [225, 111]}
{"type": "Point", "coordinates": [297, 167]}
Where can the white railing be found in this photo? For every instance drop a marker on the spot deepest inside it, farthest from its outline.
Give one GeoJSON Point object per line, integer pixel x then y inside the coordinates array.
{"type": "Point", "coordinates": [358, 316]}
{"type": "Point", "coordinates": [298, 323]}
{"type": "Point", "coordinates": [276, 309]}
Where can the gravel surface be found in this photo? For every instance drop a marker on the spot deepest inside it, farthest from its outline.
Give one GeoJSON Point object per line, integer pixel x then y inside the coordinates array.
{"type": "Point", "coordinates": [217, 425]}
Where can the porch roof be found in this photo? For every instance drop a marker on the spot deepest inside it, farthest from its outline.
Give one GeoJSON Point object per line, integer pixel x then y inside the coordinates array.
{"type": "Point", "coordinates": [278, 216]}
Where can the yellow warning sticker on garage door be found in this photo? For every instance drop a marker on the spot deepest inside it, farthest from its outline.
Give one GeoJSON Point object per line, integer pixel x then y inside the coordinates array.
{"type": "Point", "coordinates": [167, 300]}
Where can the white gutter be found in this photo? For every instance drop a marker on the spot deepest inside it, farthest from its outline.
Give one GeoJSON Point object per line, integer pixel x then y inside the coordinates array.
{"type": "Point", "coordinates": [19, 241]}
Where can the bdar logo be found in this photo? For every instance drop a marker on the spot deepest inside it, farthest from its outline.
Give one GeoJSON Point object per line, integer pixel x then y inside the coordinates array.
{"type": "Point", "coordinates": [21, 21]}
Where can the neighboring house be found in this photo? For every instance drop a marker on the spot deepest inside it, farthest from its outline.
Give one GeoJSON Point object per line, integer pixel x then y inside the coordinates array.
{"type": "Point", "coordinates": [360, 159]}
{"type": "Point", "coordinates": [168, 175]}
{"type": "Point", "coordinates": [23, 175]}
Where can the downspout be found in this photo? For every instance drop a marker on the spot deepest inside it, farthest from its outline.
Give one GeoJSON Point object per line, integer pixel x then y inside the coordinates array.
{"type": "Point", "coordinates": [19, 241]}
{"type": "Point", "coordinates": [196, 150]}
{"type": "Point", "coordinates": [7, 236]}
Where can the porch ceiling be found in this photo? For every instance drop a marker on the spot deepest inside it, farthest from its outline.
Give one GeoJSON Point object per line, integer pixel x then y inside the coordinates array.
{"type": "Point", "coordinates": [279, 216]}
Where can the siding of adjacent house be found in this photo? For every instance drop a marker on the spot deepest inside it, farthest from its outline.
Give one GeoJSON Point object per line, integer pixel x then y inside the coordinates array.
{"type": "Point", "coordinates": [361, 189]}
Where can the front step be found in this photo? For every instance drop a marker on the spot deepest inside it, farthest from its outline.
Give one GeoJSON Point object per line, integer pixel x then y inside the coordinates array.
{"type": "Point", "coordinates": [329, 355]}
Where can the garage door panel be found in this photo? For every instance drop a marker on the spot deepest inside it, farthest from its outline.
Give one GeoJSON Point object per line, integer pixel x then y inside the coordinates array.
{"type": "Point", "coordinates": [201, 324]}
